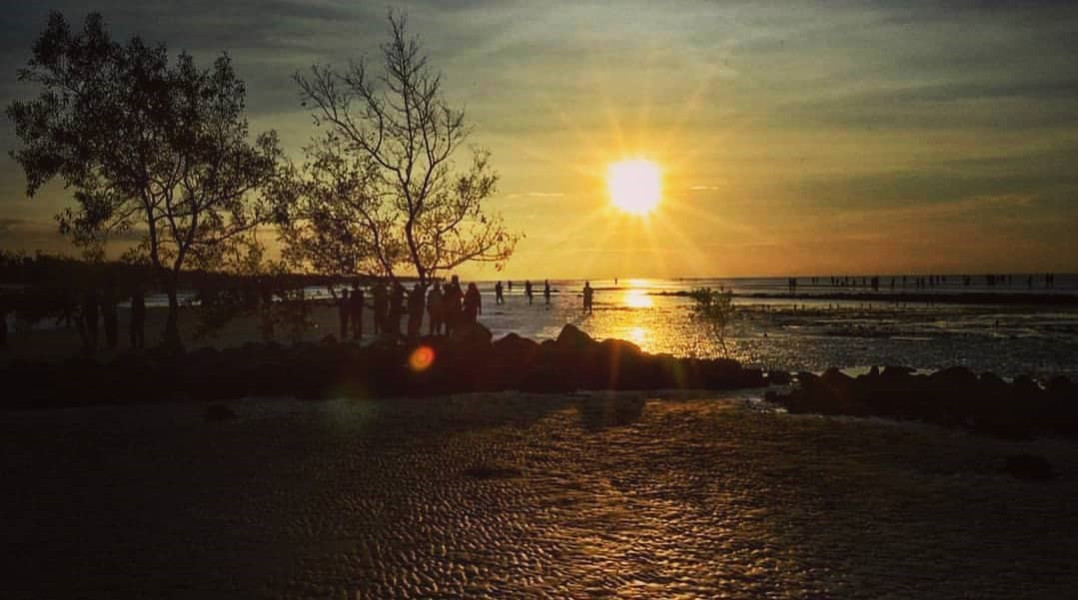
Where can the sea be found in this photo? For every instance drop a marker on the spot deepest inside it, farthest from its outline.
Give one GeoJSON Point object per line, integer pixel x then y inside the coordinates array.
{"type": "Point", "coordinates": [850, 326]}
{"type": "Point", "coordinates": [815, 330]}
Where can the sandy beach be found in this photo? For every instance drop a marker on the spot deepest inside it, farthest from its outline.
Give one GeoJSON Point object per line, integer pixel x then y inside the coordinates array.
{"type": "Point", "coordinates": [511, 495]}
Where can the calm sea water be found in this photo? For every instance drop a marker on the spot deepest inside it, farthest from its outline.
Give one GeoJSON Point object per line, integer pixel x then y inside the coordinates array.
{"type": "Point", "coordinates": [812, 334]}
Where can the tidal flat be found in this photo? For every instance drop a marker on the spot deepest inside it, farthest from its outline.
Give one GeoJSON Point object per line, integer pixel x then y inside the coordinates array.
{"type": "Point", "coordinates": [633, 495]}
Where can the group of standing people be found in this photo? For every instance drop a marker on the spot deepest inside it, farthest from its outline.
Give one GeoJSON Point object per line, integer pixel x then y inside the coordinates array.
{"type": "Point", "coordinates": [94, 313]}
{"type": "Point", "coordinates": [447, 308]}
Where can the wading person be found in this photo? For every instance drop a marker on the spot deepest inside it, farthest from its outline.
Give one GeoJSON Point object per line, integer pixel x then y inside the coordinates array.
{"type": "Point", "coordinates": [499, 298]}
{"type": "Point", "coordinates": [528, 290]}
{"type": "Point", "coordinates": [546, 291]}
{"type": "Point", "coordinates": [588, 295]}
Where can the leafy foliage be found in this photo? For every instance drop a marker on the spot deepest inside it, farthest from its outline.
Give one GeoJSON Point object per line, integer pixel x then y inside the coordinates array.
{"type": "Point", "coordinates": [155, 151]}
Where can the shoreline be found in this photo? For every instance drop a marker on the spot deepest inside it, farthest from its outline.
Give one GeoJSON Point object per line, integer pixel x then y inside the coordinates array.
{"type": "Point", "coordinates": [887, 297]}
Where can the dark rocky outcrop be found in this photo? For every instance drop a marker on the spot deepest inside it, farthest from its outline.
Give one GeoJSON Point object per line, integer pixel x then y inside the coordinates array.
{"type": "Point", "coordinates": [953, 397]}
{"type": "Point", "coordinates": [468, 361]}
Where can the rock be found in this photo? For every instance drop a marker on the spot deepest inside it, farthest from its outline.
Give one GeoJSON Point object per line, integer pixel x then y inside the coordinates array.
{"type": "Point", "coordinates": [471, 335]}
{"type": "Point", "coordinates": [1029, 467]}
{"type": "Point", "coordinates": [573, 340]}
{"type": "Point", "coordinates": [955, 378]}
{"type": "Point", "coordinates": [897, 371]}
{"type": "Point", "coordinates": [515, 352]}
{"type": "Point", "coordinates": [219, 412]}
{"type": "Point", "coordinates": [778, 377]}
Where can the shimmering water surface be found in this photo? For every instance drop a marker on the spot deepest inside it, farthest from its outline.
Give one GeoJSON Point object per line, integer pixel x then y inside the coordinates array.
{"type": "Point", "coordinates": [811, 334]}
{"type": "Point", "coordinates": [511, 496]}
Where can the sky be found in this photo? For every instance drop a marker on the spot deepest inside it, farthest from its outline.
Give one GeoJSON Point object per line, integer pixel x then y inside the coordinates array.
{"type": "Point", "coordinates": [794, 138]}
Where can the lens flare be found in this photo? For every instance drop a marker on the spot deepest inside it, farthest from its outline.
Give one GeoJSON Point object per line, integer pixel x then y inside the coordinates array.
{"type": "Point", "coordinates": [421, 359]}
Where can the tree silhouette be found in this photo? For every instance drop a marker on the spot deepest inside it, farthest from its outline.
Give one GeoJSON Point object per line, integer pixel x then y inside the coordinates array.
{"type": "Point", "coordinates": [378, 193]}
{"type": "Point", "coordinates": [714, 309]}
{"type": "Point", "coordinates": [155, 150]}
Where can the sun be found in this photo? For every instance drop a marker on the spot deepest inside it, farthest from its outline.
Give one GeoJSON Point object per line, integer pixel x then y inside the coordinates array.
{"type": "Point", "coordinates": [635, 185]}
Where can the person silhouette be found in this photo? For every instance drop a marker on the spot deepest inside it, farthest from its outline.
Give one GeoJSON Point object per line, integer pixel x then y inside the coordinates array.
{"type": "Point", "coordinates": [396, 308]}
{"type": "Point", "coordinates": [588, 296]}
{"type": "Point", "coordinates": [355, 311]}
{"type": "Point", "coordinates": [510, 286]}
{"type": "Point", "coordinates": [381, 304]}
{"type": "Point", "coordinates": [546, 291]}
{"type": "Point", "coordinates": [434, 309]}
{"type": "Point", "coordinates": [89, 319]}
{"type": "Point", "coordinates": [473, 304]}
{"type": "Point", "coordinates": [109, 315]}
{"type": "Point", "coordinates": [498, 297]}
{"type": "Point", "coordinates": [138, 318]}
{"type": "Point", "coordinates": [344, 308]}
{"type": "Point", "coordinates": [528, 290]}
{"type": "Point", "coordinates": [416, 306]}
{"type": "Point", "coordinates": [451, 300]}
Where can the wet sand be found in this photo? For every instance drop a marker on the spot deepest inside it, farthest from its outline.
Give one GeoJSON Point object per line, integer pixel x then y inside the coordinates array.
{"type": "Point", "coordinates": [510, 495]}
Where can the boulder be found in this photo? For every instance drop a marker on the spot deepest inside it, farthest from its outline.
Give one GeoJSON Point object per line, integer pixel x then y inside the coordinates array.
{"type": "Point", "coordinates": [1029, 467]}
{"type": "Point", "coordinates": [778, 377]}
{"type": "Point", "coordinates": [573, 340]}
{"type": "Point", "coordinates": [219, 412]}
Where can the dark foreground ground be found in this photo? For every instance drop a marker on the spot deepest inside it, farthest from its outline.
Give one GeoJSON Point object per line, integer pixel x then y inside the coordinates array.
{"type": "Point", "coordinates": [510, 495]}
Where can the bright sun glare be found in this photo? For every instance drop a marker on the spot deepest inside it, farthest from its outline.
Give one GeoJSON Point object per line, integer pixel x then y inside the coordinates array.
{"type": "Point", "coordinates": [635, 185]}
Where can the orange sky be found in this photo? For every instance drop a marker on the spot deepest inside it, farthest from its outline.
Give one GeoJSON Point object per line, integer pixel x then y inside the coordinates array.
{"type": "Point", "coordinates": [819, 138]}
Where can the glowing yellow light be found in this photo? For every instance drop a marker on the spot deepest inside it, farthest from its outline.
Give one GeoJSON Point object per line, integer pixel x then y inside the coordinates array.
{"type": "Point", "coordinates": [421, 359]}
{"type": "Point", "coordinates": [635, 185]}
{"type": "Point", "coordinates": [637, 335]}
{"type": "Point", "coordinates": [638, 299]}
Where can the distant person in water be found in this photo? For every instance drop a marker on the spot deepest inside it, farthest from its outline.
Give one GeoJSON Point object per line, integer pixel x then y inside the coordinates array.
{"type": "Point", "coordinates": [588, 296]}
{"type": "Point", "coordinates": [416, 306]}
{"type": "Point", "coordinates": [109, 316]}
{"type": "Point", "coordinates": [344, 308]}
{"type": "Point", "coordinates": [138, 319]}
{"type": "Point", "coordinates": [528, 290]}
{"type": "Point", "coordinates": [510, 286]}
{"type": "Point", "coordinates": [381, 304]}
{"type": "Point", "coordinates": [498, 297]}
{"type": "Point", "coordinates": [451, 300]}
{"type": "Point", "coordinates": [355, 311]}
{"type": "Point", "coordinates": [434, 309]}
{"type": "Point", "coordinates": [473, 304]}
{"type": "Point", "coordinates": [396, 308]}
{"type": "Point", "coordinates": [546, 291]}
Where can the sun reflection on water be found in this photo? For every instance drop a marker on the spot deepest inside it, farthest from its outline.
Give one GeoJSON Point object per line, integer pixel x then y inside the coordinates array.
{"type": "Point", "coordinates": [636, 298]}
